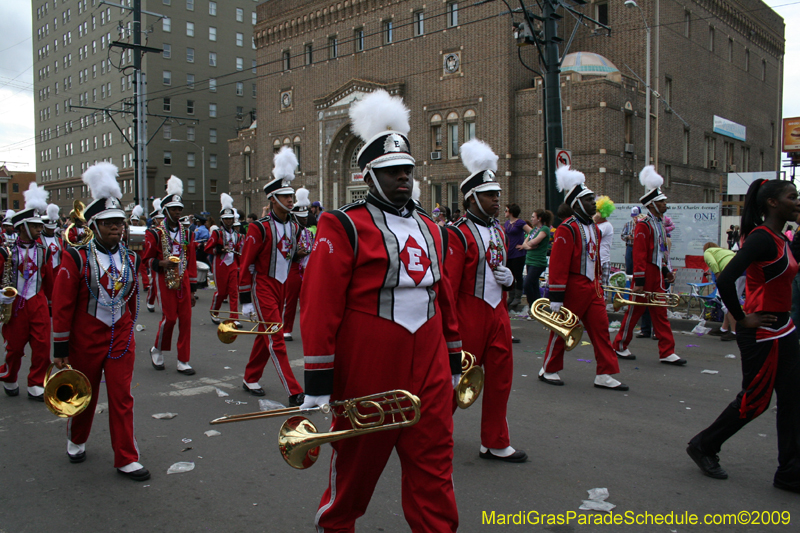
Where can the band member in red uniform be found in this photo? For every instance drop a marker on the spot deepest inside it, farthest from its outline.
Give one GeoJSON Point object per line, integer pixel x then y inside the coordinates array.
{"type": "Point", "coordinates": [651, 271]}
{"type": "Point", "coordinates": [78, 231]}
{"type": "Point", "coordinates": [95, 307]}
{"type": "Point", "coordinates": [267, 254]}
{"type": "Point", "coordinates": [765, 333]}
{"type": "Point", "coordinates": [176, 279]}
{"type": "Point", "coordinates": [157, 218]}
{"type": "Point", "coordinates": [223, 245]}
{"type": "Point", "coordinates": [9, 235]}
{"type": "Point", "coordinates": [575, 283]}
{"type": "Point", "coordinates": [376, 315]}
{"type": "Point", "coordinates": [49, 239]}
{"type": "Point", "coordinates": [138, 247]}
{"type": "Point", "coordinates": [26, 266]}
{"type": "Point", "coordinates": [305, 241]}
{"type": "Point", "coordinates": [477, 272]}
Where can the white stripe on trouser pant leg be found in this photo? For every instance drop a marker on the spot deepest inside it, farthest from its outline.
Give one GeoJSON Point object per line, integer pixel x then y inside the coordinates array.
{"type": "Point", "coordinates": [626, 325]}
{"type": "Point", "coordinates": [333, 495]}
{"type": "Point", "coordinates": [551, 346]}
{"type": "Point", "coordinates": [160, 332]}
{"type": "Point", "coordinates": [275, 362]}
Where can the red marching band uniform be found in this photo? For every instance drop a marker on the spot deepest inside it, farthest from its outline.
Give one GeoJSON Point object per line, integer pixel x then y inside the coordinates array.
{"type": "Point", "coordinates": [225, 245]}
{"type": "Point", "coordinates": [305, 242]}
{"type": "Point", "coordinates": [157, 216]}
{"type": "Point", "coordinates": [26, 266]}
{"type": "Point", "coordinates": [54, 244]}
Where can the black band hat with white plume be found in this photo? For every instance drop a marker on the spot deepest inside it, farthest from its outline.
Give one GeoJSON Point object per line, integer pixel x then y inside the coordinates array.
{"type": "Point", "coordinates": [571, 183]}
{"type": "Point", "coordinates": [227, 211]}
{"type": "Point", "coordinates": [381, 121]}
{"type": "Point", "coordinates": [9, 214]}
{"type": "Point", "coordinates": [174, 193]}
{"type": "Point", "coordinates": [102, 181]}
{"type": "Point", "coordinates": [157, 213]}
{"type": "Point", "coordinates": [302, 204]}
{"type": "Point", "coordinates": [35, 206]}
{"type": "Point", "coordinates": [236, 221]}
{"type": "Point", "coordinates": [51, 218]}
{"type": "Point", "coordinates": [652, 182]}
{"type": "Point", "coordinates": [481, 163]}
{"type": "Point", "coordinates": [285, 165]}
{"type": "Point", "coordinates": [137, 212]}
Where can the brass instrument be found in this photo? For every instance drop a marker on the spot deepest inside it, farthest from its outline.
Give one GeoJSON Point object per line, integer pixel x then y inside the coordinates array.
{"type": "Point", "coordinates": [652, 299]}
{"type": "Point", "coordinates": [173, 275]}
{"type": "Point", "coordinates": [564, 323]}
{"type": "Point", "coordinates": [6, 310]}
{"type": "Point", "coordinates": [299, 441]}
{"type": "Point", "coordinates": [67, 393]}
{"type": "Point", "coordinates": [227, 331]}
{"type": "Point", "coordinates": [471, 383]}
{"type": "Point", "coordinates": [75, 215]}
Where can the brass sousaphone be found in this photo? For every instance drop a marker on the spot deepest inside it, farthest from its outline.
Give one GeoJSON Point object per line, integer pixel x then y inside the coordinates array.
{"type": "Point", "coordinates": [75, 215]}
{"type": "Point", "coordinates": [67, 393]}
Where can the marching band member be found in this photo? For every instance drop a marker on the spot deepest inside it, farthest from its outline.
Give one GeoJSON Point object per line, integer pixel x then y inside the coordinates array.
{"type": "Point", "coordinates": [9, 235]}
{"type": "Point", "coordinates": [77, 232]}
{"type": "Point", "coordinates": [26, 266]}
{"type": "Point", "coordinates": [575, 283]}
{"type": "Point", "coordinates": [223, 245]}
{"type": "Point", "coordinates": [477, 272]}
{"type": "Point", "coordinates": [94, 313]}
{"type": "Point", "coordinates": [136, 220]}
{"type": "Point", "coordinates": [170, 250]}
{"type": "Point", "coordinates": [157, 218]}
{"type": "Point", "coordinates": [651, 268]}
{"type": "Point", "coordinates": [49, 239]}
{"type": "Point", "coordinates": [305, 241]}
{"type": "Point", "coordinates": [267, 254]}
{"type": "Point", "coordinates": [376, 316]}
{"type": "Point", "coordinates": [765, 333]}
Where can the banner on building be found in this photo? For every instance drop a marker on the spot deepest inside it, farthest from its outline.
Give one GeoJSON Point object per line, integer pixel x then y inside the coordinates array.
{"type": "Point", "coordinates": [791, 134]}
{"type": "Point", "coordinates": [695, 225]}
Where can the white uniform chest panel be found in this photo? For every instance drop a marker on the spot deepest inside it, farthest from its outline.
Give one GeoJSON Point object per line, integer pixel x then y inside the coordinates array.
{"type": "Point", "coordinates": [106, 286]}
{"type": "Point", "coordinates": [492, 291]}
{"type": "Point", "coordinates": [229, 241]}
{"type": "Point", "coordinates": [283, 252]}
{"type": "Point", "coordinates": [55, 251]}
{"type": "Point", "coordinates": [591, 243]}
{"type": "Point", "coordinates": [28, 267]}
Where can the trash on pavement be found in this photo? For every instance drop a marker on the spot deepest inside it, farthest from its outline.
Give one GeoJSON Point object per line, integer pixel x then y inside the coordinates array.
{"type": "Point", "coordinates": [701, 329]}
{"type": "Point", "coordinates": [140, 327]}
{"type": "Point", "coordinates": [212, 433]}
{"type": "Point", "coordinates": [730, 356]}
{"type": "Point", "coordinates": [181, 467]}
{"type": "Point", "coordinates": [269, 405]}
{"type": "Point", "coordinates": [186, 441]}
{"type": "Point", "coordinates": [164, 416]}
{"type": "Point", "coordinates": [221, 393]}
{"type": "Point", "coordinates": [235, 402]}
{"type": "Point", "coordinates": [710, 372]}
{"type": "Point", "coordinates": [596, 501]}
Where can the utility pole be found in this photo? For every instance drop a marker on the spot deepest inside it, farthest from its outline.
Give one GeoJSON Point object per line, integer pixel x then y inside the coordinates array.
{"type": "Point", "coordinates": [547, 43]}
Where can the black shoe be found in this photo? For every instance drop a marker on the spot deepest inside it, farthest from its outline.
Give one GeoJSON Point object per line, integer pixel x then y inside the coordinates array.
{"type": "Point", "coordinates": [296, 400]}
{"type": "Point", "coordinates": [517, 457]}
{"type": "Point", "coordinates": [728, 336]}
{"type": "Point", "coordinates": [678, 362]}
{"type": "Point", "coordinates": [717, 332]}
{"type": "Point", "coordinates": [151, 309]}
{"type": "Point", "coordinates": [642, 335]}
{"type": "Point", "coordinates": [77, 458]}
{"type": "Point", "coordinates": [157, 367]}
{"type": "Point", "coordinates": [39, 398]}
{"type": "Point", "coordinates": [709, 464]}
{"type": "Point", "coordinates": [551, 381]}
{"type": "Point", "coordinates": [515, 340]}
{"type": "Point", "coordinates": [629, 357]}
{"type": "Point", "coordinates": [137, 475]}
{"type": "Point", "coordinates": [254, 392]}
{"type": "Point", "coordinates": [620, 387]}
{"type": "Point", "coordinates": [187, 371]}
{"type": "Point", "coordinates": [785, 486]}
{"type": "Point", "coordinates": [287, 337]}
{"type": "Point", "coordinates": [12, 392]}
{"type": "Point", "coordinates": [654, 337]}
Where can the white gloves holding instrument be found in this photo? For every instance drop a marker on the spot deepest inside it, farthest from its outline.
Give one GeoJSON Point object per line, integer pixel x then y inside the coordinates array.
{"type": "Point", "coordinates": [5, 300]}
{"type": "Point", "coordinates": [456, 378]}
{"type": "Point", "coordinates": [503, 276]}
{"type": "Point", "coordinates": [555, 307]}
{"type": "Point", "coordinates": [248, 310]}
{"type": "Point", "coordinates": [315, 401]}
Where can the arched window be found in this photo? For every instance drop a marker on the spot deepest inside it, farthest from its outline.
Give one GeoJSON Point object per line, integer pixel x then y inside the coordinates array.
{"type": "Point", "coordinates": [452, 135]}
{"type": "Point", "coordinates": [436, 133]}
{"type": "Point", "coordinates": [354, 157]}
{"type": "Point", "coordinates": [469, 125]}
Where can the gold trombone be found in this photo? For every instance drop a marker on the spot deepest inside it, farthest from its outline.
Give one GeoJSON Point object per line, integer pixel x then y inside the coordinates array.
{"type": "Point", "coordinates": [471, 383]}
{"type": "Point", "coordinates": [77, 215]}
{"type": "Point", "coordinates": [564, 323]}
{"type": "Point", "coordinates": [227, 331]}
{"type": "Point", "coordinates": [299, 440]}
{"type": "Point", "coordinates": [652, 299]}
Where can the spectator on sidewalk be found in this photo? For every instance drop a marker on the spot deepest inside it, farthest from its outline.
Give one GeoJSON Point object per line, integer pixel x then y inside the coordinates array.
{"type": "Point", "coordinates": [717, 258]}
{"type": "Point", "coordinates": [536, 246]}
{"type": "Point", "coordinates": [515, 229]}
{"type": "Point", "coordinates": [604, 209]}
{"type": "Point", "coordinates": [627, 237]}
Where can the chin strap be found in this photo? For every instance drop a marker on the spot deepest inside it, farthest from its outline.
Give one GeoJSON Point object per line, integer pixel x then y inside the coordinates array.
{"type": "Point", "coordinates": [377, 184]}
{"type": "Point", "coordinates": [281, 204]}
{"type": "Point", "coordinates": [480, 208]}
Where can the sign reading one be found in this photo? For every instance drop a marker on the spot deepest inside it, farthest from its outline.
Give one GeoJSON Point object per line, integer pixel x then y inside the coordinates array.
{"type": "Point", "coordinates": [563, 158]}
{"type": "Point", "coordinates": [791, 134]}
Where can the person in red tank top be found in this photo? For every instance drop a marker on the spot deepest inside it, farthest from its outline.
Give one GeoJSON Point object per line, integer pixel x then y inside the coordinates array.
{"type": "Point", "coordinates": [764, 331]}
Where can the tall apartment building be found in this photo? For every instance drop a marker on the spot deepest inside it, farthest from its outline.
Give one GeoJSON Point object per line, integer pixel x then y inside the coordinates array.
{"type": "Point", "coordinates": [202, 84]}
{"type": "Point", "coordinates": [717, 65]}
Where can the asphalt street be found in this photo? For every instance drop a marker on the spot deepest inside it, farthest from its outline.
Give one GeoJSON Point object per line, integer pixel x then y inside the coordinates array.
{"type": "Point", "coordinates": [577, 437]}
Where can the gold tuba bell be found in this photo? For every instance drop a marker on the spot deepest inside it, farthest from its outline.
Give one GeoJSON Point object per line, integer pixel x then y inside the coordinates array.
{"type": "Point", "coordinates": [565, 323]}
{"type": "Point", "coordinates": [67, 392]}
{"type": "Point", "coordinates": [471, 383]}
{"type": "Point", "coordinates": [75, 215]}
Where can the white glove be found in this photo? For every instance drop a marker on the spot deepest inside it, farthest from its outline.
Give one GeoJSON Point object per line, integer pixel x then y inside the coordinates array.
{"type": "Point", "coordinates": [5, 300]}
{"type": "Point", "coordinates": [315, 401]}
{"type": "Point", "coordinates": [248, 310]}
{"type": "Point", "coordinates": [555, 307]}
{"type": "Point", "coordinates": [504, 276]}
{"type": "Point", "coordinates": [456, 379]}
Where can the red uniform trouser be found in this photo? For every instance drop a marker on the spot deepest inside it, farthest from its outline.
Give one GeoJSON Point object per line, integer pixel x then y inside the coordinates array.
{"type": "Point", "coordinates": [176, 306]}
{"type": "Point", "coordinates": [226, 278]}
{"type": "Point", "coordinates": [92, 359]}
{"type": "Point", "coordinates": [486, 334]}
{"type": "Point", "coordinates": [30, 324]}
{"type": "Point", "coordinates": [152, 293]}
{"type": "Point", "coordinates": [293, 284]}
{"type": "Point", "coordinates": [581, 298]}
{"type": "Point", "coordinates": [268, 297]}
{"type": "Point", "coordinates": [417, 363]}
{"type": "Point", "coordinates": [658, 314]}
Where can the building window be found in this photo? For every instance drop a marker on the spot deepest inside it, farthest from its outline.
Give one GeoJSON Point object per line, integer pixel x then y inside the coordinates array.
{"type": "Point", "coordinates": [212, 9]}
{"type": "Point", "coordinates": [212, 135]}
{"type": "Point", "coordinates": [255, 89]}
{"type": "Point", "coordinates": [247, 165]}
{"type": "Point", "coordinates": [190, 55]}
{"type": "Point", "coordinates": [436, 133]}
{"type": "Point", "coordinates": [190, 160]}
{"type": "Point", "coordinates": [239, 14]}
{"type": "Point", "coordinates": [254, 18]}
{"type": "Point", "coordinates": [626, 191]}
{"type": "Point", "coordinates": [686, 147]}
{"type": "Point", "coordinates": [167, 158]}
{"type": "Point", "coordinates": [287, 60]}
{"type": "Point", "coordinates": [452, 139]}
{"type": "Point", "coordinates": [745, 159]}
{"type": "Point", "coordinates": [166, 25]}
{"type": "Point", "coordinates": [212, 85]}
{"type": "Point", "coordinates": [763, 70]}
{"type": "Point", "coordinates": [190, 133]}
{"type": "Point", "coordinates": [212, 33]}
{"type": "Point", "coordinates": [212, 110]}
{"type": "Point", "coordinates": [167, 132]}
{"type": "Point", "coordinates": [239, 63]}
{"type": "Point", "coordinates": [212, 59]}
{"type": "Point", "coordinates": [710, 153]}
{"type": "Point", "coordinates": [253, 66]}
{"type": "Point", "coordinates": [190, 107]}
{"type": "Point", "coordinates": [239, 39]}
{"type": "Point", "coordinates": [667, 94]}
{"type": "Point", "coordinates": [388, 29]}
{"type": "Point", "coordinates": [191, 186]}
{"type": "Point", "coordinates": [296, 149]}
{"type": "Point", "coordinates": [452, 14]}
{"type": "Point", "coordinates": [333, 48]}
{"type": "Point", "coordinates": [239, 88]}
{"type": "Point", "coordinates": [601, 13]}
{"type": "Point", "coordinates": [730, 50]}
{"type": "Point", "coordinates": [309, 53]}
{"type": "Point", "coordinates": [711, 38]}
{"type": "Point", "coordinates": [167, 105]}
{"type": "Point", "coordinates": [166, 51]}
{"type": "Point", "coordinates": [190, 29]}
{"type": "Point", "coordinates": [358, 38]}
{"type": "Point", "coordinates": [746, 60]}
{"type": "Point", "coordinates": [212, 163]}
{"type": "Point", "coordinates": [667, 175]}
{"type": "Point", "coordinates": [419, 23]}
{"type": "Point", "coordinates": [190, 81]}
{"type": "Point", "coordinates": [687, 24]}
{"type": "Point", "coordinates": [190, 5]}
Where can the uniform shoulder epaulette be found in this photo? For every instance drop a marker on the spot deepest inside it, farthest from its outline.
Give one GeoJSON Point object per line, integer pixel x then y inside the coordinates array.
{"type": "Point", "coordinates": [76, 256]}
{"type": "Point", "coordinates": [458, 233]}
{"type": "Point", "coordinates": [266, 218]}
{"type": "Point", "coordinates": [351, 205]}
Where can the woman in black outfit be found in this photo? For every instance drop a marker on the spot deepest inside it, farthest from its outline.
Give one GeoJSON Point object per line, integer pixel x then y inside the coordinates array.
{"type": "Point", "coordinates": [764, 332]}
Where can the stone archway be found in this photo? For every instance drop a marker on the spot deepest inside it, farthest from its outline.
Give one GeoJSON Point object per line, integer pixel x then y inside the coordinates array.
{"type": "Point", "coordinates": [345, 177]}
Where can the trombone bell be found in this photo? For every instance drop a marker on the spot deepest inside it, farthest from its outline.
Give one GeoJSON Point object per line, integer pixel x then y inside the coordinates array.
{"type": "Point", "coordinates": [227, 331]}
{"type": "Point", "coordinates": [67, 393]}
{"type": "Point", "coordinates": [471, 383]}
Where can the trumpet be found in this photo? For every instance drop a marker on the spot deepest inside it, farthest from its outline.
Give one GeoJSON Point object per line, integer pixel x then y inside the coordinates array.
{"type": "Point", "coordinates": [6, 310]}
{"type": "Point", "coordinates": [299, 440]}
{"type": "Point", "coordinates": [471, 383]}
{"type": "Point", "coordinates": [564, 323]}
{"type": "Point", "coordinates": [652, 299]}
{"type": "Point", "coordinates": [227, 331]}
{"type": "Point", "coordinates": [77, 215]}
{"type": "Point", "coordinates": [67, 393]}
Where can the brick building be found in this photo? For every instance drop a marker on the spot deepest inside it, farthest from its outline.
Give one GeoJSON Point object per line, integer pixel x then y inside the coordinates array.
{"type": "Point", "coordinates": [457, 67]}
{"type": "Point", "coordinates": [12, 186]}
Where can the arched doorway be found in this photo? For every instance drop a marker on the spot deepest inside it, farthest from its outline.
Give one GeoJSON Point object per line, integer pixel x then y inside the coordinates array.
{"type": "Point", "coordinates": [346, 179]}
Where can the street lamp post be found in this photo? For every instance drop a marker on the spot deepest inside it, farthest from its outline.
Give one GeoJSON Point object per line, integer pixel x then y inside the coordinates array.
{"type": "Point", "coordinates": [203, 167]}
{"type": "Point", "coordinates": [631, 4]}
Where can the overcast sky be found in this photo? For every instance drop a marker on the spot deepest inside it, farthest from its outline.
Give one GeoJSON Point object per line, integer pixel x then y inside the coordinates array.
{"type": "Point", "coordinates": [18, 124]}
